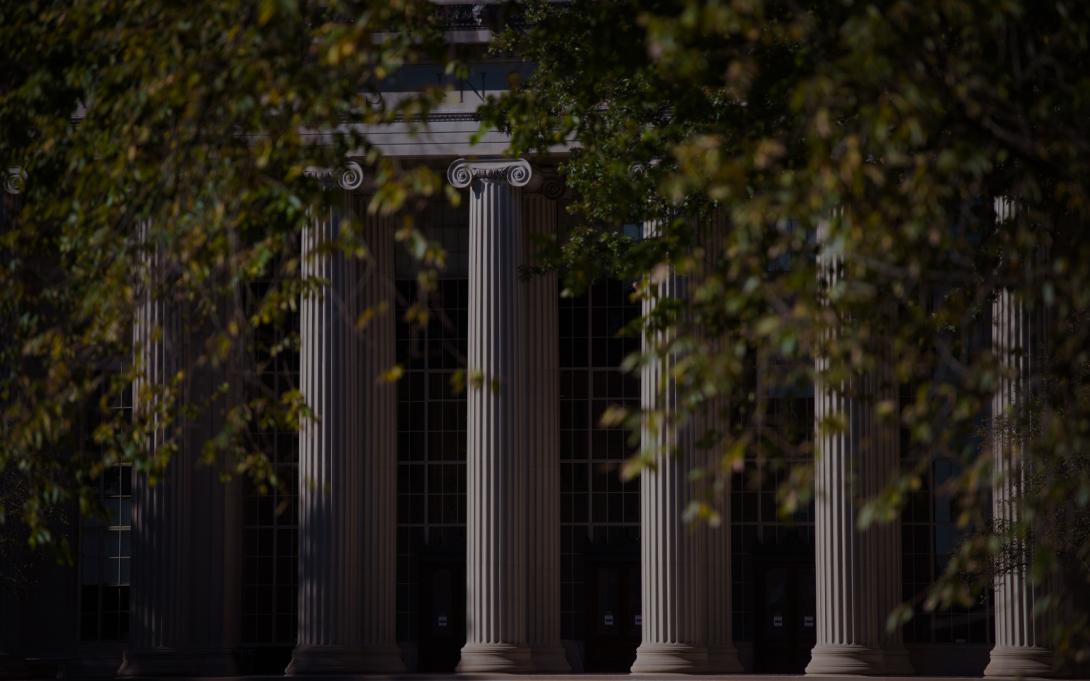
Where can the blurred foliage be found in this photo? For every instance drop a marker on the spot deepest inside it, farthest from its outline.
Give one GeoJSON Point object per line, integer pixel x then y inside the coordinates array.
{"type": "Point", "coordinates": [186, 131]}
{"type": "Point", "coordinates": [891, 127]}
{"type": "Point", "coordinates": [204, 122]}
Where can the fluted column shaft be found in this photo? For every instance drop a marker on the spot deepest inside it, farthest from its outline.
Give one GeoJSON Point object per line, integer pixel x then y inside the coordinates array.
{"type": "Point", "coordinates": [722, 653]}
{"type": "Point", "coordinates": [379, 445]}
{"type": "Point", "coordinates": [331, 505]}
{"type": "Point", "coordinates": [160, 537]}
{"type": "Point", "coordinates": [496, 465]}
{"type": "Point", "coordinates": [543, 451]}
{"type": "Point", "coordinates": [858, 572]}
{"type": "Point", "coordinates": [672, 556]}
{"type": "Point", "coordinates": [185, 527]}
{"type": "Point", "coordinates": [1020, 647]}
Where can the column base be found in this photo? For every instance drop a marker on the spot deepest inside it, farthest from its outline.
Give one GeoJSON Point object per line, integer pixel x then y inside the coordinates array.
{"type": "Point", "coordinates": [165, 662]}
{"type": "Point", "coordinates": [505, 658]}
{"type": "Point", "coordinates": [670, 658]}
{"type": "Point", "coordinates": [845, 659]}
{"type": "Point", "coordinates": [724, 661]}
{"type": "Point", "coordinates": [1011, 661]}
{"type": "Point", "coordinates": [306, 660]}
{"type": "Point", "coordinates": [549, 659]}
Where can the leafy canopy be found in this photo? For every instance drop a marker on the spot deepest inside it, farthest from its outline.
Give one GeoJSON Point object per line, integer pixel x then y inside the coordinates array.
{"type": "Point", "coordinates": [164, 151]}
{"type": "Point", "coordinates": [880, 134]}
{"type": "Point", "coordinates": [186, 131]}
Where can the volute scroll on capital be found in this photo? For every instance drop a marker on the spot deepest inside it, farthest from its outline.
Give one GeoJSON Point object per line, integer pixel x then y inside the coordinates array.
{"type": "Point", "coordinates": [15, 180]}
{"type": "Point", "coordinates": [516, 172]}
{"type": "Point", "coordinates": [349, 177]}
{"type": "Point", "coordinates": [552, 186]}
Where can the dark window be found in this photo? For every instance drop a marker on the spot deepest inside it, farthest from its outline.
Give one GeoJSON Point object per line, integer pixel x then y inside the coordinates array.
{"type": "Point", "coordinates": [929, 531]}
{"type": "Point", "coordinates": [756, 527]}
{"type": "Point", "coordinates": [929, 536]}
{"type": "Point", "coordinates": [270, 519]}
{"type": "Point", "coordinates": [105, 553]}
{"type": "Point", "coordinates": [596, 507]}
{"type": "Point", "coordinates": [431, 415]}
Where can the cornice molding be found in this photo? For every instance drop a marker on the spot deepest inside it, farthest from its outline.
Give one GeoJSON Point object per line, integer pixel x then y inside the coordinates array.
{"type": "Point", "coordinates": [460, 15]}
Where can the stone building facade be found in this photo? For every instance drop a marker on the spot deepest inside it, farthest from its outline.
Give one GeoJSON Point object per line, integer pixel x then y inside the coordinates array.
{"type": "Point", "coordinates": [489, 531]}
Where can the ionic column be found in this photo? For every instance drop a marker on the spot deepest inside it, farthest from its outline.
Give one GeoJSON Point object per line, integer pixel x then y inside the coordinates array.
{"type": "Point", "coordinates": [216, 511]}
{"type": "Point", "coordinates": [858, 572]}
{"type": "Point", "coordinates": [333, 531]}
{"type": "Point", "coordinates": [672, 556]}
{"type": "Point", "coordinates": [159, 585]}
{"type": "Point", "coordinates": [496, 470]}
{"type": "Point", "coordinates": [1020, 646]}
{"type": "Point", "coordinates": [722, 654]}
{"type": "Point", "coordinates": [543, 448]}
{"type": "Point", "coordinates": [185, 528]}
{"type": "Point", "coordinates": [377, 338]}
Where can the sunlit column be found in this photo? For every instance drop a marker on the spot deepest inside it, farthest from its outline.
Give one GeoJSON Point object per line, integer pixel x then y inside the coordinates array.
{"type": "Point", "coordinates": [542, 436]}
{"type": "Point", "coordinates": [858, 572]}
{"type": "Point", "coordinates": [1020, 647]}
{"type": "Point", "coordinates": [673, 558]}
{"type": "Point", "coordinates": [378, 416]}
{"type": "Point", "coordinates": [722, 654]}
{"type": "Point", "coordinates": [496, 465]}
{"type": "Point", "coordinates": [346, 476]}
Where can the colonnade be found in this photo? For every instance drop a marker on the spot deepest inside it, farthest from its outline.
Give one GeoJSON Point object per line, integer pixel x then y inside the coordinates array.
{"type": "Point", "coordinates": [347, 483]}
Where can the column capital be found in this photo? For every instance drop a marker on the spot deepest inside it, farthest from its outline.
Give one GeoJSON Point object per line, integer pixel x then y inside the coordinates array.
{"type": "Point", "coordinates": [349, 177]}
{"type": "Point", "coordinates": [516, 172]}
{"type": "Point", "coordinates": [551, 185]}
{"type": "Point", "coordinates": [14, 180]}
{"type": "Point", "coordinates": [496, 470]}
